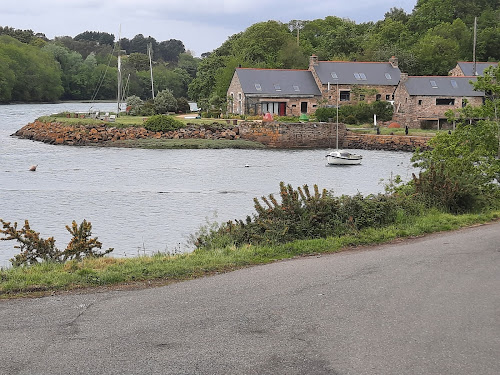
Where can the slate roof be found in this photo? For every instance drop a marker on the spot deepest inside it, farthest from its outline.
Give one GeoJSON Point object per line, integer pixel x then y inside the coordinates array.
{"type": "Point", "coordinates": [441, 86]}
{"type": "Point", "coordinates": [467, 67]}
{"type": "Point", "coordinates": [277, 82]}
{"type": "Point", "coordinates": [358, 73]}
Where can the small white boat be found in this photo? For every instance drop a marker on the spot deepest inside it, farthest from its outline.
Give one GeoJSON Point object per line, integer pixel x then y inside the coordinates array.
{"type": "Point", "coordinates": [342, 157]}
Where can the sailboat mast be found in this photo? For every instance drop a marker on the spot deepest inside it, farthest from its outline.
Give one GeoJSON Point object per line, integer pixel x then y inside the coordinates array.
{"type": "Point", "coordinates": [119, 95]}
{"type": "Point", "coordinates": [150, 47]}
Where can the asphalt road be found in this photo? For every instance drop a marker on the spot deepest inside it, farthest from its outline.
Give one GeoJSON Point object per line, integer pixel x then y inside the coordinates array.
{"type": "Point", "coordinates": [424, 306]}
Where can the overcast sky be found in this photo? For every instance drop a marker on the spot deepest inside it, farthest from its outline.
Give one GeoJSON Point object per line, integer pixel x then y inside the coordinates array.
{"type": "Point", "coordinates": [202, 25]}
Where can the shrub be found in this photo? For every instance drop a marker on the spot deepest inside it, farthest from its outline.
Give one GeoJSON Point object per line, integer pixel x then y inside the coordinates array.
{"type": "Point", "coordinates": [134, 105]}
{"type": "Point", "coordinates": [165, 102]}
{"type": "Point", "coordinates": [301, 215]}
{"type": "Point", "coordinates": [35, 249]}
{"type": "Point", "coordinates": [163, 123]}
{"type": "Point", "coordinates": [183, 105]}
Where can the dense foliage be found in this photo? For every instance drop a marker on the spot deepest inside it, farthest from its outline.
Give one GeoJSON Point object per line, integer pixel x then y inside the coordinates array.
{"type": "Point", "coordinates": [356, 114]}
{"type": "Point", "coordinates": [163, 123]}
{"type": "Point", "coordinates": [302, 215]}
{"type": "Point", "coordinates": [428, 41]}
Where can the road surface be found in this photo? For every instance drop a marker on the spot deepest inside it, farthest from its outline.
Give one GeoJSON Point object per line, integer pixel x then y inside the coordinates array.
{"type": "Point", "coordinates": [423, 306]}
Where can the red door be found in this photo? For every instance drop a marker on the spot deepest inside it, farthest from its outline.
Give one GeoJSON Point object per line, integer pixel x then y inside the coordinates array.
{"type": "Point", "coordinates": [282, 109]}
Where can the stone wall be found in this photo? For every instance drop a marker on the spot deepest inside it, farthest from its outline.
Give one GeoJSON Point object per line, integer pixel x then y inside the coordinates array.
{"type": "Point", "coordinates": [272, 134]}
{"type": "Point", "coordinates": [385, 142]}
{"type": "Point", "coordinates": [292, 135]}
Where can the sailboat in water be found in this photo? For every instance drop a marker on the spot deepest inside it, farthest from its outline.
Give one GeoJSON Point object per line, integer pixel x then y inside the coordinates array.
{"type": "Point", "coordinates": [341, 157]}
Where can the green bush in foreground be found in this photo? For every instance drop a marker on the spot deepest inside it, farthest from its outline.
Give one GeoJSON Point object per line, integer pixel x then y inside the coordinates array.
{"type": "Point", "coordinates": [34, 249]}
{"type": "Point", "coordinates": [303, 215]}
{"type": "Point", "coordinates": [163, 123]}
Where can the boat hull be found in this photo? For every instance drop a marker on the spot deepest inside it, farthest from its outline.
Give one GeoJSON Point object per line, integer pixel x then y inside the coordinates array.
{"type": "Point", "coordinates": [343, 158]}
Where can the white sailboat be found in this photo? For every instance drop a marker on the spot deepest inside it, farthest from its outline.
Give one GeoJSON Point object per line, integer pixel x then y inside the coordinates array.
{"type": "Point", "coordinates": [341, 157]}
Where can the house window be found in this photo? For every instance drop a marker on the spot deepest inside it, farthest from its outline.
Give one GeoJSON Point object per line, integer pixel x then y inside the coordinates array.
{"type": "Point", "coordinates": [345, 96]}
{"type": "Point", "coordinates": [447, 101]}
{"type": "Point", "coordinates": [378, 97]}
{"type": "Point", "coordinates": [387, 97]}
{"type": "Point", "coordinates": [361, 97]}
{"type": "Point", "coordinates": [420, 102]}
{"type": "Point", "coordinates": [239, 96]}
{"type": "Point", "coordinates": [258, 87]}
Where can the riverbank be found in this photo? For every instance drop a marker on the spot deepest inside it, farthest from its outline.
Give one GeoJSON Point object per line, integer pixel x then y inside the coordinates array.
{"type": "Point", "coordinates": [161, 269]}
{"type": "Point", "coordinates": [242, 135]}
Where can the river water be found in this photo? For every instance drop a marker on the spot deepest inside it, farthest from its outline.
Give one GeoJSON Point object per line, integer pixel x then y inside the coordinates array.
{"type": "Point", "coordinates": [145, 201]}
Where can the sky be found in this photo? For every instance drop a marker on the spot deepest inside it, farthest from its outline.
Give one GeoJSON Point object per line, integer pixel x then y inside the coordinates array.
{"type": "Point", "coordinates": [202, 25]}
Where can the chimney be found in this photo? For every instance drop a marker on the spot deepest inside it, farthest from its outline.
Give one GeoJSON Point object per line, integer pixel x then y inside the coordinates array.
{"type": "Point", "coordinates": [403, 77]}
{"type": "Point", "coordinates": [394, 61]}
{"type": "Point", "coordinates": [313, 61]}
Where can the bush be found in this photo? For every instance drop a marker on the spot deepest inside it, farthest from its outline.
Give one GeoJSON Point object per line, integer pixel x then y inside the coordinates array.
{"type": "Point", "coordinates": [165, 102]}
{"type": "Point", "coordinates": [303, 215]}
{"type": "Point", "coordinates": [324, 114]}
{"type": "Point", "coordinates": [163, 123]}
{"type": "Point", "coordinates": [34, 249]}
{"type": "Point", "coordinates": [134, 105]}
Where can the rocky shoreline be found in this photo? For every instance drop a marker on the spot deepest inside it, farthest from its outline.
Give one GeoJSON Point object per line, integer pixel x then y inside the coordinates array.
{"type": "Point", "coordinates": [59, 133]}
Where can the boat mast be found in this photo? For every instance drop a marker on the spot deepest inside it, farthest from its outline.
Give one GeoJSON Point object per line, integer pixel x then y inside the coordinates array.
{"type": "Point", "coordinates": [150, 47]}
{"type": "Point", "coordinates": [119, 75]}
{"type": "Point", "coordinates": [337, 132]}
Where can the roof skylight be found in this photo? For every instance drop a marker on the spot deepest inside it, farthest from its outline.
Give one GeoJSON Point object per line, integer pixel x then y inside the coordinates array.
{"type": "Point", "coordinates": [296, 88]}
{"type": "Point", "coordinates": [258, 87]}
{"type": "Point", "coordinates": [454, 84]}
{"type": "Point", "coordinates": [388, 76]}
{"type": "Point", "coordinates": [433, 84]}
{"type": "Point", "coordinates": [277, 87]}
{"type": "Point", "coordinates": [334, 75]}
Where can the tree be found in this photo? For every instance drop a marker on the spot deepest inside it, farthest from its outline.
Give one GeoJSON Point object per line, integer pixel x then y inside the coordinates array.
{"type": "Point", "coordinates": [165, 102]}
{"type": "Point", "coordinates": [431, 46]}
{"type": "Point", "coordinates": [170, 50]}
{"type": "Point", "coordinates": [138, 61]}
{"type": "Point", "coordinates": [489, 82]}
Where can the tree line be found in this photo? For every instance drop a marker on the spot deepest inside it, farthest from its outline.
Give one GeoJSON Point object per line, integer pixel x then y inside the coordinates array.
{"type": "Point", "coordinates": [428, 41]}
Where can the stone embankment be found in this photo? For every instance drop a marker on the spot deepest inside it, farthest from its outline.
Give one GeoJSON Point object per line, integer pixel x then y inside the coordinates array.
{"type": "Point", "coordinates": [302, 135]}
{"type": "Point", "coordinates": [385, 142]}
{"type": "Point", "coordinates": [92, 135]}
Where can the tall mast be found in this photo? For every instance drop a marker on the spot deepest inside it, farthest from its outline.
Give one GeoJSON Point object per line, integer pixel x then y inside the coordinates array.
{"type": "Point", "coordinates": [119, 75]}
{"type": "Point", "coordinates": [150, 47]}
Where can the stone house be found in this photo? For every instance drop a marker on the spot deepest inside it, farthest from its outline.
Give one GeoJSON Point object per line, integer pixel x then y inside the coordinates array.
{"type": "Point", "coordinates": [421, 102]}
{"type": "Point", "coordinates": [283, 92]}
{"type": "Point", "coordinates": [466, 69]}
{"type": "Point", "coordinates": [356, 81]}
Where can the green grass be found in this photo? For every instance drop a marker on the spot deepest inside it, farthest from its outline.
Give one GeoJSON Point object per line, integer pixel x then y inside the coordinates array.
{"type": "Point", "coordinates": [161, 269]}
{"type": "Point", "coordinates": [369, 129]}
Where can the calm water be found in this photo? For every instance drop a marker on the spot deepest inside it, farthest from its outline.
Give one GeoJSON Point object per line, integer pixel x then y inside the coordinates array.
{"type": "Point", "coordinates": [143, 201]}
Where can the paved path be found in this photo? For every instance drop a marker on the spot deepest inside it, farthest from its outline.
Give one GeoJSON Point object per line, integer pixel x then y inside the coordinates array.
{"type": "Point", "coordinates": [426, 306]}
